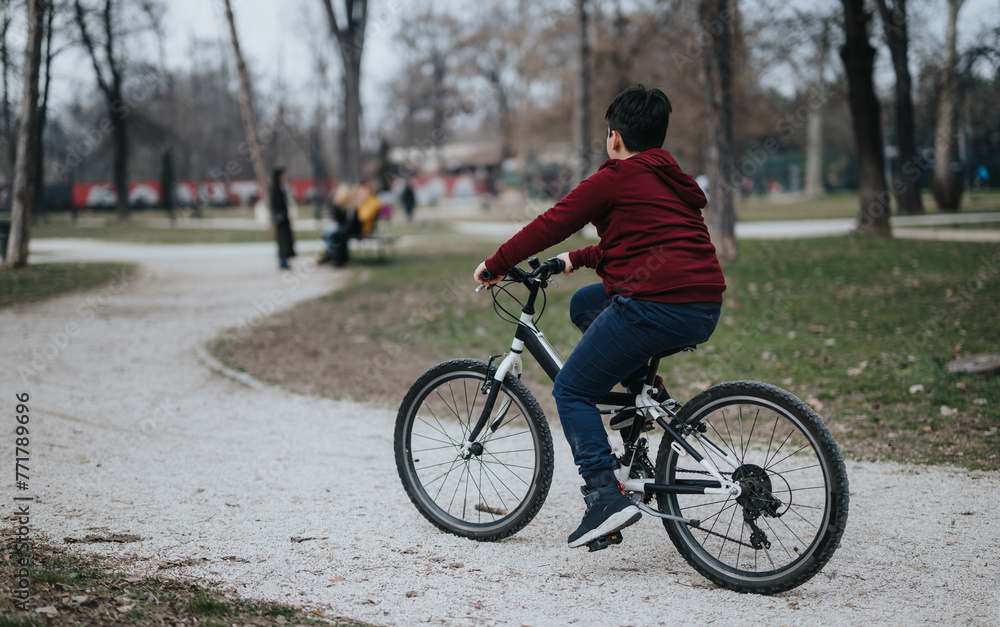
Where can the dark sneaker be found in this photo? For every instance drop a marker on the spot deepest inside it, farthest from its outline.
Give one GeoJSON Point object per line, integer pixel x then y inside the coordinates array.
{"type": "Point", "coordinates": [608, 510]}
{"type": "Point", "coordinates": [624, 418]}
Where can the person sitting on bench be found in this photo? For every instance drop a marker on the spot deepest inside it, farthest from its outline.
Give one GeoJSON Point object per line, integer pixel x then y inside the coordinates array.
{"type": "Point", "coordinates": [359, 222]}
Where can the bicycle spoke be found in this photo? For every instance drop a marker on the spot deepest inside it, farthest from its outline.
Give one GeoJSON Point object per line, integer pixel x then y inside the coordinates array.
{"type": "Point", "coordinates": [796, 452]}
{"type": "Point", "coordinates": [440, 428]}
{"type": "Point", "coordinates": [447, 445]}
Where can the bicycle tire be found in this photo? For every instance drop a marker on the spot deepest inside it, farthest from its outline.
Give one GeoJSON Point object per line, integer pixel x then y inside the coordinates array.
{"type": "Point", "coordinates": [795, 489]}
{"type": "Point", "coordinates": [490, 495]}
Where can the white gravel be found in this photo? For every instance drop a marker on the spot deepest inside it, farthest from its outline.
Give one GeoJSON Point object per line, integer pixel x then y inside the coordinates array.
{"type": "Point", "coordinates": [133, 432]}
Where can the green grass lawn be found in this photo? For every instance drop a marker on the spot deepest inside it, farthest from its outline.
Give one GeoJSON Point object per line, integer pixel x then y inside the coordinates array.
{"type": "Point", "coordinates": [861, 328]}
{"type": "Point", "coordinates": [842, 205]}
{"type": "Point", "coordinates": [104, 226]}
{"type": "Point", "coordinates": [41, 281]}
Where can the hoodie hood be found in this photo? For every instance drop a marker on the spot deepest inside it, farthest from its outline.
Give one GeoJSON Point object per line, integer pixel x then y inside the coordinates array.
{"type": "Point", "coordinates": [665, 166]}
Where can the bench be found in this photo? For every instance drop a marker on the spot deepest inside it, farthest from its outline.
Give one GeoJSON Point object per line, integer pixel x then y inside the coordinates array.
{"type": "Point", "coordinates": [379, 243]}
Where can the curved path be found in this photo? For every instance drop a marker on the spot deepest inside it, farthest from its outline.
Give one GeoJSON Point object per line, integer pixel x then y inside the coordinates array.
{"type": "Point", "coordinates": [132, 432]}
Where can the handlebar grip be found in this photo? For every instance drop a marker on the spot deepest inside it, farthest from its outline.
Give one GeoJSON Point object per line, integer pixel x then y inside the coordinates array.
{"type": "Point", "coordinates": [558, 264]}
{"type": "Point", "coordinates": [487, 275]}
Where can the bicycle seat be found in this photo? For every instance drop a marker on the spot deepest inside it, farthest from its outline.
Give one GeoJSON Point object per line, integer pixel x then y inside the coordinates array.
{"type": "Point", "coordinates": [674, 351]}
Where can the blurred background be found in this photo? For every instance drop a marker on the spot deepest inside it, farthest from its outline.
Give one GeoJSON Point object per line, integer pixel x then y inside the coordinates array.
{"type": "Point", "coordinates": [501, 101]}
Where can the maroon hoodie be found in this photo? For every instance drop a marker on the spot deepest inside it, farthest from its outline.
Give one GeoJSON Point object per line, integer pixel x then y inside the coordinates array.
{"type": "Point", "coordinates": [654, 244]}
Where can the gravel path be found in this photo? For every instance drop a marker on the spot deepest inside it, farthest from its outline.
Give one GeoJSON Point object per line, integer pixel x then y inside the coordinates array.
{"type": "Point", "coordinates": [133, 432]}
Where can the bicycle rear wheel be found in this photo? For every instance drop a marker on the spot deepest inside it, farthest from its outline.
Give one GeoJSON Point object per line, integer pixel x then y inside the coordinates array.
{"type": "Point", "coordinates": [791, 514]}
{"type": "Point", "coordinates": [501, 485]}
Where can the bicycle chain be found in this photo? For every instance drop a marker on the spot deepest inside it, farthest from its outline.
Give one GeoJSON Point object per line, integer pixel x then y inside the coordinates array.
{"type": "Point", "coordinates": [693, 472]}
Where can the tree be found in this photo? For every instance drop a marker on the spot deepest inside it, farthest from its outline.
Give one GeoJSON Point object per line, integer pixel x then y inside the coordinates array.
{"type": "Point", "coordinates": [947, 182]}
{"type": "Point", "coordinates": [350, 40]}
{"type": "Point", "coordinates": [246, 107]}
{"type": "Point", "coordinates": [583, 102]}
{"type": "Point", "coordinates": [25, 164]}
{"type": "Point", "coordinates": [814, 127]}
{"type": "Point", "coordinates": [43, 114]}
{"type": "Point", "coordinates": [720, 166]}
{"type": "Point", "coordinates": [858, 56]}
{"type": "Point", "coordinates": [894, 25]}
{"type": "Point", "coordinates": [111, 83]}
{"type": "Point", "coordinates": [8, 122]}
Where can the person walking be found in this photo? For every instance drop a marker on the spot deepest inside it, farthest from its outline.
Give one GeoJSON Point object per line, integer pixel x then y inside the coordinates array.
{"type": "Point", "coordinates": [280, 218]}
{"type": "Point", "coordinates": [409, 200]}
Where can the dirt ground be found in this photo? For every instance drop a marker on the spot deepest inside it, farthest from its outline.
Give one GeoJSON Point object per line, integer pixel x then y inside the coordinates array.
{"type": "Point", "coordinates": [293, 497]}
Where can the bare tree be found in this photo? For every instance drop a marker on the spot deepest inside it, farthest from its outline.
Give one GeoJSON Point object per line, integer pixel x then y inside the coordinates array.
{"type": "Point", "coordinates": [246, 107]}
{"type": "Point", "coordinates": [350, 39]}
{"type": "Point", "coordinates": [583, 101]}
{"type": "Point", "coordinates": [39, 208]}
{"type": "Point", "coordinates": [896, 29]}
{"type": "Point", "coordinates": [6, 19]}
{"type": "Point", "coordinates": [947, 182]}
{"type": "Point", "coordinates": [720, 167]}
{"type": "Point", "coordinates": [858, 56]}
{"type": "Point", "coordinates": [814, 127]}
{"type": "Point", "coordinates": [111, 83]}
{"type": "Point", "coordinates": [24, 170]}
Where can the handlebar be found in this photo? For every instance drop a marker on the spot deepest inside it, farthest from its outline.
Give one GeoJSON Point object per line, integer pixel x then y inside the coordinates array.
{"type": "Point", "coordinates": [545, 270]}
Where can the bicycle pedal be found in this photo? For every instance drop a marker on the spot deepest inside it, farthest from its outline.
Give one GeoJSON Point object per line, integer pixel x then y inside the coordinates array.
{"type": "Point", "coordinates": [615, 537]}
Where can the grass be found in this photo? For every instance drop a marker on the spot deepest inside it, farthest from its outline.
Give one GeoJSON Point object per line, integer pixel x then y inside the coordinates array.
{"type": "Point", "coordinates": [48, 280]}
{"type": "Point", "coordinates": [93, 591]}
{"type": "Point", "coordinates": [146, 228]}
{"type": "Point", "coordinates": [842, 205]}
{"type": "Point", "coordinates": [136, 234]}
{"type": "Point", "coordinates": [860, 328]}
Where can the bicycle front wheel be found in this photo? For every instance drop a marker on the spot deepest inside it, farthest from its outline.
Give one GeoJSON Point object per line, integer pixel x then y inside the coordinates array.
{"type": "Point", "coordinates": [789, 518]}
{"type": "Point", "coordinates": [497, 488]}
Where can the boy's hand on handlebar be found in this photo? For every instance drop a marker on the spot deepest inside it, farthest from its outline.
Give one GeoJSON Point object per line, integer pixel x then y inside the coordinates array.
{"type": "Point", "coordinates": [485, 282]}
{"type": "Point", "coordinates": [569, 264]}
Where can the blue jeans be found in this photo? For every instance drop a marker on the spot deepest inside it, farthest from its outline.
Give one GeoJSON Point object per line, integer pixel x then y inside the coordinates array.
{"type": "Point", "coordinates": [620, 335]}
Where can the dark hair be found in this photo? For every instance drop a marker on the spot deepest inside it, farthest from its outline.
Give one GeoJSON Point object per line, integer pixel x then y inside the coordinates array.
{"type": "Point", "coordinates": [640, 116]}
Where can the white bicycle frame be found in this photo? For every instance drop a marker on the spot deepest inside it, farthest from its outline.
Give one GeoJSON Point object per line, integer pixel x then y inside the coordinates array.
{"type": "Point", "coordinates": [529, 335]}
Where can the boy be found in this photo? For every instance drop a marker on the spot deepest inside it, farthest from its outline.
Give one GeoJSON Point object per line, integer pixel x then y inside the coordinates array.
{"type": "Point", "coordinates": [662, 286]}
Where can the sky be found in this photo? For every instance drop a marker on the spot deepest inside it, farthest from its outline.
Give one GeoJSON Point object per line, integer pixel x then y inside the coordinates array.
{"type": "Point", "coordinates": [279, 37]}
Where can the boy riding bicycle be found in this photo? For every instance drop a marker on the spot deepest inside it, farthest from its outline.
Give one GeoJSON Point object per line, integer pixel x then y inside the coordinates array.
{"type": "Point", "coordinates": [662, 286]}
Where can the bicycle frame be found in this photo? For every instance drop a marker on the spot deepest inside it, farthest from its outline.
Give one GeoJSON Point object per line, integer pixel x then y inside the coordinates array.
{"type": "Point", "coordinates": [529, 336]}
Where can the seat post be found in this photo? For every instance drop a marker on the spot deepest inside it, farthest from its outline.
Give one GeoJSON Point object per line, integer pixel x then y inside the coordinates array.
{"type": "Point", "coordinates": [654, 365]}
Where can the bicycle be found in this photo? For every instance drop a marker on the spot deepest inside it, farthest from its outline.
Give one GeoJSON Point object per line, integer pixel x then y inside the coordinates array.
{"type": "Point", "coordinates": [748, 481]}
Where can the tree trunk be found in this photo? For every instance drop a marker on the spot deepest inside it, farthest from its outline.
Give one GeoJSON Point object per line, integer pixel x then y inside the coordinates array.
{"type": "Point", "coordinates": [351, 41]}
{"type": "Point", "coordinates": [8, 122]}
{"type": "Point", "coordinates": [119, 164]}
{"type": "Point", "coordinates": [246, 108]}
{"type": "Point", "coordinates": [947, 182]}
{"type": "Point", "coordinates": [24, 190]}
{"type": "Point", "coordinates": [814, 127]}
{"type": "Point", "coordinates": [40, 210]}
{"type": "Point", "coordinates": [719, 164]}
{"type": "Point", "coordinates": [907, 179]}
{"type": "Point", "coordinates": [350, 168]}
{"type": "Point", "coordinates": [859, 60]}
{"type": "Point", "coordinates": [583, 104]}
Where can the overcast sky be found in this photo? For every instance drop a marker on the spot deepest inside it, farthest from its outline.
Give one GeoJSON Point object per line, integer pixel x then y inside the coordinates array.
{"type": "Point", "coordinates": [277, 36]}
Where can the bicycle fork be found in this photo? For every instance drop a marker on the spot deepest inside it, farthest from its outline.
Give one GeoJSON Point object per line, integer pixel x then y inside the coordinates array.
{"type": "Point", "coordinates": [650, 409]}
{"type": "Point", "coordinates": [494, 381]}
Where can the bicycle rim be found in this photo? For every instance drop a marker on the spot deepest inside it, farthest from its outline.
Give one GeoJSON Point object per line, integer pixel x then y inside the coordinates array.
{"type": "Point", "coordinates": [497, 489]}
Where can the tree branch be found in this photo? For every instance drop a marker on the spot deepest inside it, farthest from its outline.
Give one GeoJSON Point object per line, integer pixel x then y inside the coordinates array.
{"type": "Point", "coordinates": [332, 19]}
{"type": "Point", "coordinates": [109, 49]}
{"type": "Point", "coordinates": [88, 43]}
